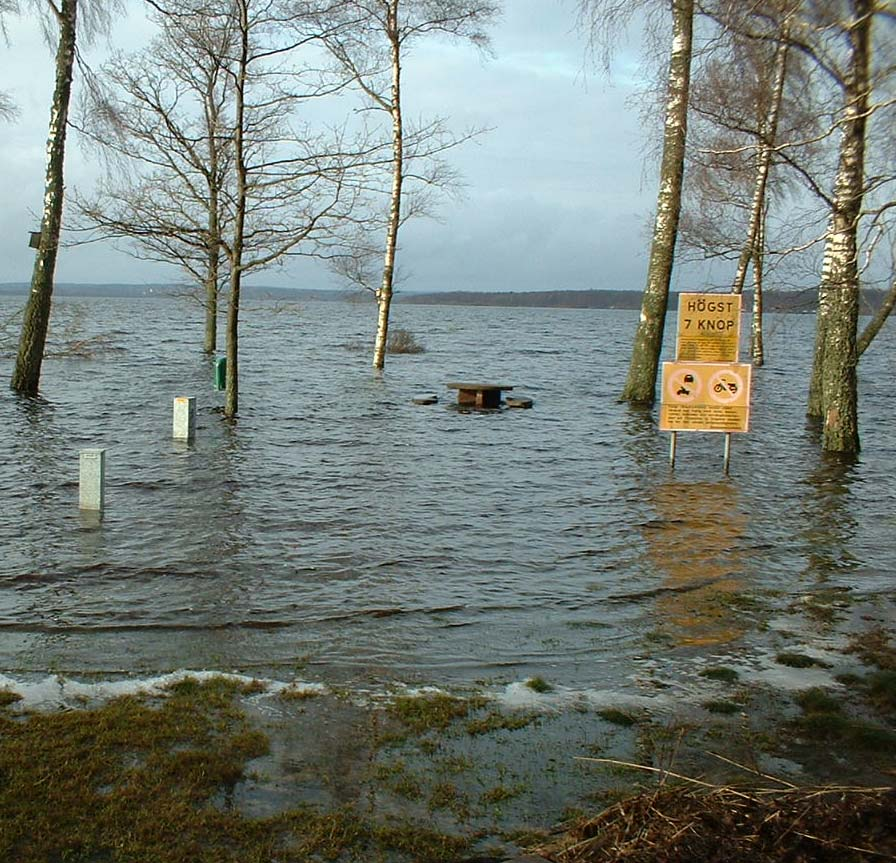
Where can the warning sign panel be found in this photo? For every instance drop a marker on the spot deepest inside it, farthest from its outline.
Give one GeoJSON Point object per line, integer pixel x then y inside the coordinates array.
{"type": "Point", "coordinates": [705, 397]}
{"type": "Point", "coordinates": [708, 328]}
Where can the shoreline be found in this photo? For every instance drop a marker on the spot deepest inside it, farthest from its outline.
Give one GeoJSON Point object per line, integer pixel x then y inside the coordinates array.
{"type": "Point", "coordinates": [418, 774]}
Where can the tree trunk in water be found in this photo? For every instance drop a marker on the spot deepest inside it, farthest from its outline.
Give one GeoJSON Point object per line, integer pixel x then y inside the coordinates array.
{"type": "Point", "coordinates": [814, 406]}
{"type": "Point", "coordinates": [839, 388]}
{"type": "Point", "coordinates": [211, 278]}
{"type": "Point", "coordinates": [640, 385]}
{"type": "Point", "coordinates": [211, 303]}
{"type": "Point", "coordinates": [232, 386]}
{"type": "Point", "coordinates": [757, 347]}
{"type": "Point", "coordinates": [877, 321]}
{"type": "Point", "coordinates": [212, 125]}
{"type": "Point", "coordinates": [232, 383]}
{"type": "Point", "coordinates": [26, 375]}
{"type": "Point", "coordinates": [384, 294]}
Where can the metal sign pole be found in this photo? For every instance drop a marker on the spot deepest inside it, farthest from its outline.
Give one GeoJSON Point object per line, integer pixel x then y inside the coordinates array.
{"type": "Point", "coordinates": [727, 452]}
{"type": "Point", "coordinates": [672, 444]}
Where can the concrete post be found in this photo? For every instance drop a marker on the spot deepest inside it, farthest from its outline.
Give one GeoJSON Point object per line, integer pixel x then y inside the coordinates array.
{"type": "Point", "coordinates": [92, 485]}
{"type": "Point", "coordinates": [184, 418]}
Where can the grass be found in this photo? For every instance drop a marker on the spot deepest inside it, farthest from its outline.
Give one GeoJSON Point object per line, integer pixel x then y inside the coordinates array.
{"type": "Point", "coordinates": [824, 719]}
{"type": "Point", "coordinates": [882, 691]}
{"type": "Point", "coordinates": [445, 795]}
{"type": "Point", "coordinates": [617, 717]}
{"type": "Point", "coordinates": [294, 693]}
{"type": "Point", "coordinates": [149, 778]}
{"type": "Point", "coordinates": [800, 660]}
{"type": "Point", "coordinates": [874, 647]}
{"type": "Point", "coordinates": [539, 684]}
{"type": "Point", "coordinates": [130, 780]}
{"type": "Point", "coordinates": [402, 341]}
{"type": "Point", "coordinates": [722, 706]}
{"type": "Point", "coordinates": [501, 793]}
{"type": "Point", "coordinates": [7, 697]}
{"type": "Point", "coordinates": [495, 720]}
{"type": "Point", "coordinates": [432, 711]}
{"type": "Point", "coordinates": [726, 675]}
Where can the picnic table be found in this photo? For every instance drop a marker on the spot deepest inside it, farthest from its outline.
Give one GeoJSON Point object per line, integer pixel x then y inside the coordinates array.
{"type": "Point", "coordinates": [480, 396]}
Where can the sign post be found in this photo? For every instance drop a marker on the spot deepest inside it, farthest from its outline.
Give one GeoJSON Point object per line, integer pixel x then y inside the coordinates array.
{"type": "Point", "coordinates": [706, 388]}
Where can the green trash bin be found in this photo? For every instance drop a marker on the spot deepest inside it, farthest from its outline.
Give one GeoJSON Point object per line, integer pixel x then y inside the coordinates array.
{"type": "Point", "coordinates": [220, 373]}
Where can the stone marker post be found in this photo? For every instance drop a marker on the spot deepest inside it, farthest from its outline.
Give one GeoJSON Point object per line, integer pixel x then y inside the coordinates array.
{"type": "Point", "coordinates": [92, 485]}
{"type": "Point", "coordinates": [184, 418]}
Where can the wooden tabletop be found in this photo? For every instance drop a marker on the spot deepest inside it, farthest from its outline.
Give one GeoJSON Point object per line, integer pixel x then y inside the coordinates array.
{"type": "Point", "coordinates": [478, 387]}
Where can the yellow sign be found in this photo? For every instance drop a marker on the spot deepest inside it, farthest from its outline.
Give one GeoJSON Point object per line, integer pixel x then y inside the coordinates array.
{"type": "Point", "coordinates": [708, 328]}
{"type": "Point", "coordinates": [705, 397]}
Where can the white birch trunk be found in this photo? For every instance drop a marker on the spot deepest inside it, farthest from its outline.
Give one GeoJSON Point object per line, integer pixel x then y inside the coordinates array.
{"type": "Point", "coordinates": [839, 388]}
{"type": "Point", "coordinates": [36, 319]}
{"type": "Point", "coordinates": [757, 346]}
{"type": "Point", "coordinates": [384, 294]}
{"type": "Point", "coordinates": [231, 395]}
{"type": "Point", "coordinates": [640, 386]}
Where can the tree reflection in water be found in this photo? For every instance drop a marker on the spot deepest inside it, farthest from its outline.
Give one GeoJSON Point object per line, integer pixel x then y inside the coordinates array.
{"type": "Point", "coordinates": [695, 542]}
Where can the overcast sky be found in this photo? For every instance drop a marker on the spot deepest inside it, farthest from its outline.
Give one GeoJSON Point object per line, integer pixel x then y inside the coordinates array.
{"type": "Point", "coordinates": [557, 197]}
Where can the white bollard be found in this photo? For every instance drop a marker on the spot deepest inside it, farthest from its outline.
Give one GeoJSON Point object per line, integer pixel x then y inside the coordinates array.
{"type": "Point", "coordinates": [184, 418]}
{"type": "Point", "coordinates": [92, 485]}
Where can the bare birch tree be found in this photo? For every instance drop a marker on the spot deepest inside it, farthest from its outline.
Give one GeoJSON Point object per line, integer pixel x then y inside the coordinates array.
{"type": "Point", "coordinates": [371, 46]}
{"type": "Point", "coordinates": [290, 190]}
{"type": "Point", "coordinates": [834, 387]}
{"type": "Point", "coordinates": [603, 17]}
{"type": "Point", "coordinates": [737, 99]}
{"type": "Point", "coordinates": [61, 28]}
{"type": "Point", "coordinates": [160, 119]}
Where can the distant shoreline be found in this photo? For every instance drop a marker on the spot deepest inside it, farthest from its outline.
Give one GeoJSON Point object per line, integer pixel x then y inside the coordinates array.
{"type": "Point", "coordinates": [801, 302]}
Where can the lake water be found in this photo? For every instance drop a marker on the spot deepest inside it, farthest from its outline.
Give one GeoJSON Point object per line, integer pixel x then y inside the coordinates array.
{"type": "Point", "coordinates": [339, 533]}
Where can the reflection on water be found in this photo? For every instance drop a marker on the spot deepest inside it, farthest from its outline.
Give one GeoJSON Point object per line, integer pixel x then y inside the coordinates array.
{"type": "Point", "coordinates": [829, 523]}
{"type": "Point", "coordinates": [695, 543]}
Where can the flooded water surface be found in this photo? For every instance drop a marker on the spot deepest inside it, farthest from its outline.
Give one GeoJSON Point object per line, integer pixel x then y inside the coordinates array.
{"type": "Point", "coordinates": [339, 533]}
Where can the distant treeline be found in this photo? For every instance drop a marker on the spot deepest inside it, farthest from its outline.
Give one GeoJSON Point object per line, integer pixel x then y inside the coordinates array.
{"type": "Point", "coordinates": [775, 301]}
{"type": "Point", "coordinates": [165, 290]}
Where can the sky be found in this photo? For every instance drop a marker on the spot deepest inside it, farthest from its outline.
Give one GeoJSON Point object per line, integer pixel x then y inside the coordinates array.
{"type": "Point", "coordinates": [558, 194]}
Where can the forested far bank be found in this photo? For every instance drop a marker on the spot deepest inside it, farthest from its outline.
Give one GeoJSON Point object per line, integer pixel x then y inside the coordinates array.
{"type": "Point", "coordinates": [787, 302]}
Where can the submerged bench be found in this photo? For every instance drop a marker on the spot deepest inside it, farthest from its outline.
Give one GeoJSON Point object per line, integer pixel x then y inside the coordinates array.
{"type": "Point", "coordinates": [481, 396]}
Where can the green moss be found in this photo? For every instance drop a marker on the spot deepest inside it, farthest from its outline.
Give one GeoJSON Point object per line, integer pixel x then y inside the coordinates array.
{"type": "Point", "coordinates": [495, 720]}
{"type": "Point", "coordinates": [421, 844]}
{"type": "Point", "coordinates": [144, 779]}
{"type": "Point", "coordinates": [432, 712]}
{"type": "Point", "coordinates": [875, 647]}
{"type": "Point", "coordinates": [444, 795]}
{"type": "Point", "coordinates": [617, 717]}
{"type": "Point", "coordinates": [824, 719]}
{"type": "Point", "coordinates": [539, 684]}
{"type": "Point", "coordinates": [395, 777]}
{"type": "Point", "coordinates": [407, 786]}
{"type": "Point", "coordinates": [130, 780]}
{"type": "Point", "coordinates": [721, 706]}
{"type": "Point", "coordinates": [800, 660]}
{"type": "Point", "coordinates": [726, 675]}
{"type": "Point", "coordinates": [882, 690]}
{"type": "Point", "coordinates": [7, 697]}
{"type": "Point", "coordinates": [501, 793]}
{"type": "Point", "coordinates": [293, 693]}
{"type": "Point", "coordinates": [817, 700]}
{"type": "Point", "coordinates": [454, 764]}
{"type": "Point", "coordinates": [526, 838]}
